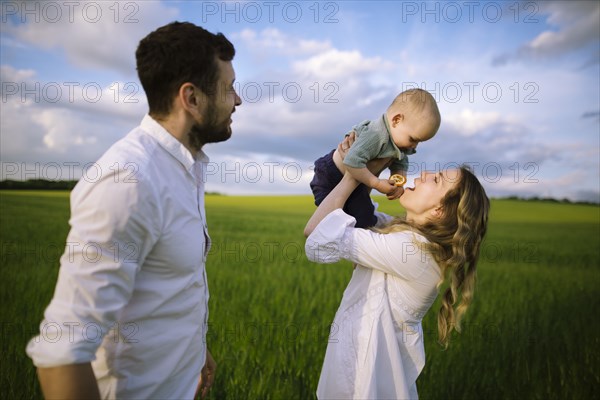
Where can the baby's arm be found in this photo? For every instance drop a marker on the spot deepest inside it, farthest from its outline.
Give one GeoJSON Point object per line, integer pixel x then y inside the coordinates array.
{"type": "Point", "coordinates": [398, 181]}
{"type": "Point", "coordinates": [363, 175]}
{"type": "Point", "coordinates": [362, 151]}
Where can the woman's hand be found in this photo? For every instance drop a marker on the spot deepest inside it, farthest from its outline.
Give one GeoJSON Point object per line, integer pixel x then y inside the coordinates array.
{"type": "Point", "coordinates": [345, 144]}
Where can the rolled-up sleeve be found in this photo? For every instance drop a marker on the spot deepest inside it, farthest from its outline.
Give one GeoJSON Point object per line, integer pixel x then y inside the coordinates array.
{"type": "Point", "coordinates": [399, 253]}
{"type": "Point", "coordinates": [112, 231]}
{"type": "Point", "coordinates": [330, 240]}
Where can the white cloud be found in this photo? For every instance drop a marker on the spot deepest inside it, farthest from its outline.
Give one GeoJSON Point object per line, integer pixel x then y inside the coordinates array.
{"type": "Point", "coordinates": [116, 99]}
{"type": "Point", "coordinates": [577, 22]}
{"type": "Point", "coordinates": [89, 31]}
{"type": "Point", "coordinates": [489, 128]}
{"type": "Point", "coordinates": [258, 174]}
{"type": "Point", "coordinates": [469, 122]}
{"type": "Point", "coordinates": [339, 65]}
{"type": "Point", "coordinates": [532, 184]}
{"type": "Point", "coordinates": [309, 106]}
{"type": "Point", "coordinates": [272, 40]}
{"type": "Point", "coordinates": [480, 133]}
{"type": "Point", "coordinates": [282, 129]}
{"type": "Point", "coordinates": [73, 126]}
{"type": "Point", "coordinates": [10, 74]}
{"type": "Point", "coordinates": [62, 133]}
{"type": "Point", "coordinates": [21, 137]}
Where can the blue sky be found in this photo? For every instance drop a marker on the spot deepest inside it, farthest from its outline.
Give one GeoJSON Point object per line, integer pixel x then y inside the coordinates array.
{"type": "Point", "coordinates": [517, 84]}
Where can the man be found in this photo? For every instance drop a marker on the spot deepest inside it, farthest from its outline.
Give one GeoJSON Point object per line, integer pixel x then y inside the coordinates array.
{"type": "Point", "coordinates": [129, 314]}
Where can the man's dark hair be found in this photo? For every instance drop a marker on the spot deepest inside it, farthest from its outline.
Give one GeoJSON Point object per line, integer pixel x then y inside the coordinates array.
{"type": "Point", "coordinates": [177, 53]}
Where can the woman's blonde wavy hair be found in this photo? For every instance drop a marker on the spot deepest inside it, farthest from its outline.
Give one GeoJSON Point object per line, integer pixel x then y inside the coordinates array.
{"type": "Point", "coordinates": [454, 241]}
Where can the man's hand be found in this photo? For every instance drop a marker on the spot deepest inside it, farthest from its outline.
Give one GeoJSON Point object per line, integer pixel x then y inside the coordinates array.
{"type": "Point", "coordinates": [207, 376]}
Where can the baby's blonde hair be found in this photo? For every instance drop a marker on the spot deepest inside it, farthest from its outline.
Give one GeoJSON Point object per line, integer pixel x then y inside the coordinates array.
{"type": "Point", "coordinates": [419, 103]}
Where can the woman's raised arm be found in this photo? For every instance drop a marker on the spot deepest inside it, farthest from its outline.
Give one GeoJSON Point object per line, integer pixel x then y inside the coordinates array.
{"type": "Point", "coordinates": [338, 196]}
{"type": "Point", "coordinates": [334, 200]}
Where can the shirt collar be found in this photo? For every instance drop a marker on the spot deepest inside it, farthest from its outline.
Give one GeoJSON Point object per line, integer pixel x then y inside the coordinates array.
{"type": "Point", "coordinates": [171, 144]}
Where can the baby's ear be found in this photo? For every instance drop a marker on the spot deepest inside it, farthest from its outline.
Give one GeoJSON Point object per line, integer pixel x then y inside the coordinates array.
{"type": "Point", "coordinates": [396, 119]}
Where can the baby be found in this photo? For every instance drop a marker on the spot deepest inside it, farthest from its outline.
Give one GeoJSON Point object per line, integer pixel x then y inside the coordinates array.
{"type": "Point", "coordinates": [413, 117]}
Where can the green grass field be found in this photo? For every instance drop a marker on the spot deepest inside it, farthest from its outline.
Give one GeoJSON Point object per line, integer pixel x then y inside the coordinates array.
{"type": "Point", "coordinates": [533, 331]}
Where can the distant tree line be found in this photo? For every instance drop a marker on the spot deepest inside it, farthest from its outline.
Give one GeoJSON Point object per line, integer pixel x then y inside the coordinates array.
{"type": "Point", "coordinates": [37, 184]}
{"type": "Point", "coordinates": [44, 184]}
{"type": "Point", "coordinates": [549, 200]}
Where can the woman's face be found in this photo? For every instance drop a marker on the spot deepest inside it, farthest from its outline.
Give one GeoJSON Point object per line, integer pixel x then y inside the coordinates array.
{"type": "Point", "coordinates": [423, 201]}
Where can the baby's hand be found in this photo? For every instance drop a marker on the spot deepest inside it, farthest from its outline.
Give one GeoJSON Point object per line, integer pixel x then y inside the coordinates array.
{"type": "Point", "coordinates": [398, 181]}
{"type": "Point", "coordinates": [396, 193]}
{"type": "Point", "coordinates": [384, 186]}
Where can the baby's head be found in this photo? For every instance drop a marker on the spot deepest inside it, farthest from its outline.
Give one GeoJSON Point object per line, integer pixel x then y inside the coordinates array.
{"type": "Point", "coordinates": [413, 117]}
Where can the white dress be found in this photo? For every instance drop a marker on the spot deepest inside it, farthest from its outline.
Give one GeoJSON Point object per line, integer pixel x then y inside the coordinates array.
{"type": "Point", "coordinates": [375, 348]}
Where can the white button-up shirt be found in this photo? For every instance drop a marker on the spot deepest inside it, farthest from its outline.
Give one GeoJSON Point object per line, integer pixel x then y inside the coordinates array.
{"type": "Point", "coordinates": [375, 348]}
{"type": "Point", "coordinates": [132, 294]}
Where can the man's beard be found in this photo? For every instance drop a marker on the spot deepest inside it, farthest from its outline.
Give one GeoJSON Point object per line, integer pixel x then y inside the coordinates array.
{"type": "Point", "coordinates": [210, 131]}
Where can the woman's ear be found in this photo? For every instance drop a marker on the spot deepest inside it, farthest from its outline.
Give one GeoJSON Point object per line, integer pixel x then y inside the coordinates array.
{"type": "Point", "coordinates": [437, 212]}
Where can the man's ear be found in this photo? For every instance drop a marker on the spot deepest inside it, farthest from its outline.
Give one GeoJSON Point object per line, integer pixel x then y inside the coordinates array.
{"type": "Point", "coordinates": [396, 119]}
{"type": "Point", "coordinates": [191, 98]}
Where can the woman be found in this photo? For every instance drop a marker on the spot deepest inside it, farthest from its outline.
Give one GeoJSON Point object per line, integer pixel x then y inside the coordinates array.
{"type": "Point", "coordinates": [375, 349]}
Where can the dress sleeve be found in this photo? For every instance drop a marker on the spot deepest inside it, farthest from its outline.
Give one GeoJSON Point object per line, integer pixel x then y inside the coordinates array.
{"type": "Point", "coordinates": [113, 228]}
{"type": "Point", "coordinates": [400, 253]}
{"type": "Point", "coordinates": [329, 242]}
